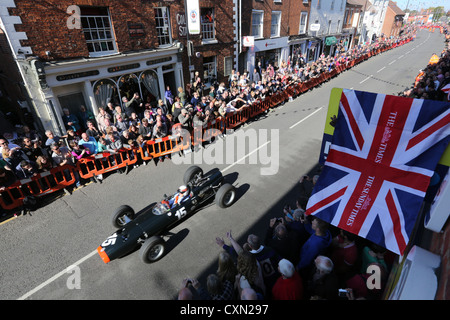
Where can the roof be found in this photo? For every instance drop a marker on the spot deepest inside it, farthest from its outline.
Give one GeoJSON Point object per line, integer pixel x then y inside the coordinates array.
{"type": "Point", "coordinates": [359, 3]}
{"type": "Point", "coordinates": [397, 10]}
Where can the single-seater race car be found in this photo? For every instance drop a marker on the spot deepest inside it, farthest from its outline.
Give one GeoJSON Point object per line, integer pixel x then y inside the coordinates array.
{"type": "Point", "coordinates": [146, 229]}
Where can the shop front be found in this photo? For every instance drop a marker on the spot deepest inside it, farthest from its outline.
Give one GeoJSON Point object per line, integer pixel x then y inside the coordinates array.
{"type": "Point", "coordinates": [330, 47]}
{"type": "Point", "coordinates": [313, 49]}
{"type": "Point", "coordinates": [268, 51]}
{"type": "Point", "coordinates": [298, 47]}
{"type": "Point", "coordinates": [94, 83]}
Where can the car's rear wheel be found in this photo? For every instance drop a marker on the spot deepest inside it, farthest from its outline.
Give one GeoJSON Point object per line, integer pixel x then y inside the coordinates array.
{"type": "Point", "coordinates": [226, 195]}
{"type": "Point", "coordinates": [153, 249]}
{"type": "Point", "coordinates": [122, 216]}
{"type": "Point", "coordinates": [192, 173]}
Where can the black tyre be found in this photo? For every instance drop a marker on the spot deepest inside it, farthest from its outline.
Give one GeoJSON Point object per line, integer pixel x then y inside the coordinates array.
{"type": "Point", "coordinates": [192, 173]}
{"type": "Point", "coordinates": [122, 216]}
{"type": "Point", "coordinates": [226, 195]}
{"type": "Point", "coordinates": [153, 249]}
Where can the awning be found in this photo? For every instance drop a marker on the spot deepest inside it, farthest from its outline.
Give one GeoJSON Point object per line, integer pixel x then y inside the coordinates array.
{"type": "Point", "coordinates": [330, 41]}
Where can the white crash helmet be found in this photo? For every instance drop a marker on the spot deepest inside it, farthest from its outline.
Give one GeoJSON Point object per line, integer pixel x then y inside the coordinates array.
{"type": "Point", "coordinates": [183, 189]}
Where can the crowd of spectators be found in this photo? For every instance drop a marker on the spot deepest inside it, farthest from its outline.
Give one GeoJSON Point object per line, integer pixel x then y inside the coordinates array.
{"type": "Point", "coordinates": [302, 257]}
{"type": "Point", "coordinates": [298, 257]}
{"type": "Point", "coordinates": [26, 153]}
{"type": "Point", "coordinates": [434, 77]}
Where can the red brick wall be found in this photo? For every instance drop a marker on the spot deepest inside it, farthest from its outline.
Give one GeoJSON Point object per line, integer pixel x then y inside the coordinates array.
{"type": "Point", "coordinates": [223, 11]}
{"type": "Point", "coordinates": [45, 23]}
{"type": "Point", "coordinates": [290, 15]}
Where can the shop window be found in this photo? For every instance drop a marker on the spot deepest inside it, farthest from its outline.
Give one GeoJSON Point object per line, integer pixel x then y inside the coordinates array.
{"type": "Point", "coordinates": [207, 24]}
{"type": "Point", "coordinates": [257, 23]}
{"type": "Point", "coordinates": [96, 24]}
{"type": "Point", "coordinates": [163, 30]}
{"type": "Point", "coordinates": [105, 91]}
{"type": "Point", "coordinates": [150, 87]}
{"type": "Point", "coordinates": [276, 22]}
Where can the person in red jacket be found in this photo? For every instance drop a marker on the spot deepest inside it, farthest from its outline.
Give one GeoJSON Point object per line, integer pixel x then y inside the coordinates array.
{"type": "Point", "coordinates": [289, 285]}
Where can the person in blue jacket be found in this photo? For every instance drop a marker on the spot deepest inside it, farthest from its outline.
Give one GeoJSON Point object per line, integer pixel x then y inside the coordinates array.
{"type": "Point", "coordinates": [317, 243]}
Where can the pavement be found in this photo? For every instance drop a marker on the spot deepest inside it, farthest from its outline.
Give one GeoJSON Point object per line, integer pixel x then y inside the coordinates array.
{"type": "Point", "coordinates": [50, 254]}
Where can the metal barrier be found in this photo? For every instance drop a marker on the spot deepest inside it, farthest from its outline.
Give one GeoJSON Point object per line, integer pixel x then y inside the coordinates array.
{"type": "Point", "coordinates": [44, 183]}
{"type": "Point", "coordinates": [105, 162]}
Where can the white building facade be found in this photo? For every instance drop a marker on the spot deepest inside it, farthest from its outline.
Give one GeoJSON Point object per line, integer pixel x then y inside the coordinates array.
{"type": "Point", "coordinates": [325, 25]}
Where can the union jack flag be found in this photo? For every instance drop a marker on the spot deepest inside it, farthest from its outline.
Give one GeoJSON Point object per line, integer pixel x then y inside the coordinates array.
{"type": "Point", "coordinates": [383, 154]}
{"type": "Point", "coordinates": [446, 89]}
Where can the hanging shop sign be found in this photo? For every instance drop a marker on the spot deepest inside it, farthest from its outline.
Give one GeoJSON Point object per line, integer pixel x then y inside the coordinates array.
{"type": "Point", "coordinates": [193, 12]}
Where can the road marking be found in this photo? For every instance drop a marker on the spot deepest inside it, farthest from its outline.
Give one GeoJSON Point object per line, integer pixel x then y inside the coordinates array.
{"type": "Point", "coordinates": [56, 276]}
{"type": "Point", "coordinates": [366, 79]}
{"type": "Point", "coordinates": [247, 155]}
{"type": "Point", "coordinates": [392, 62]}
{"type": "Point", "coordinates": [381, 69]}
{"type": "Point", "coordinates": [305, 118]}
{"type": "Point", "coordinates": [401, 56]}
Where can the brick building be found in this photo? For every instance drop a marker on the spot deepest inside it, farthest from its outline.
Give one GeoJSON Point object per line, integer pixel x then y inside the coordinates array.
{"type": "Point", "coordinates": [354, 11]}
{"type": "Point", "coordinates": [278, 29]}
{"type": "Point", "coordinates": [90, 52]}
{"type": "Point", "coordinates": [393, 20]}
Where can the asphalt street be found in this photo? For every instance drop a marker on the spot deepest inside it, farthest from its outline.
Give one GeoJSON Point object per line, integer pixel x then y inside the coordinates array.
{"type": "Point", "coordinates": [44, 252]}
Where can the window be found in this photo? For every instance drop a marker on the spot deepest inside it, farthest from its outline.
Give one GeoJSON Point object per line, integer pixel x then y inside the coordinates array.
{"type": "Point", "coordinates": [329, 26]}
{"type": "Point", "coordinates": [207, 23]}
{"type": "Point", "coordinates": [332, 5]}
{"type": "Point", "coordinates": [338, 27]}
{"type": "Point", "coordinates": [227, 65]}
{"type": "Point", "coordinates": [257, 23]}
{"type": "Point", "coordinates": [163, 30]}
{"type": "Point", "coordinates": [346, 16]}
{"type": "Point", "coordinates": [209, 69]}
{"type": "Point", "coordinates": [318, 4]}
{"type": "Point", "coordinates": [276, 22]}
{"type": "Point", "coordinates": [303, 22]}
{"type": "Point", "coordinates": [97, 30]}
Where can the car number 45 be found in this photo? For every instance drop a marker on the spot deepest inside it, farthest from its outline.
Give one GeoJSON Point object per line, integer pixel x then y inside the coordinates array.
{"type": "Point", "coordinates": [181, 213]}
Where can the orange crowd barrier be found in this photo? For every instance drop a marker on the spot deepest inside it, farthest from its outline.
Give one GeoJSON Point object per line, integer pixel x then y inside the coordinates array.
{"type": "Point", "coordinates": [105, 162]}
{"type": "Point", "coordinates": [43, 183]}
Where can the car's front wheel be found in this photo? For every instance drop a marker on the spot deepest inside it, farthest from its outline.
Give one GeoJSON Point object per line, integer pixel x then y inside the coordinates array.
{"type": "Point", "coordinates": [192, 174]}
{"type": "Point", "coordinates": [153, 249]}
{"type": "Point", "coordinates": [226, 195]}
{"type": "Point", "coordinates": [122, 216]}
